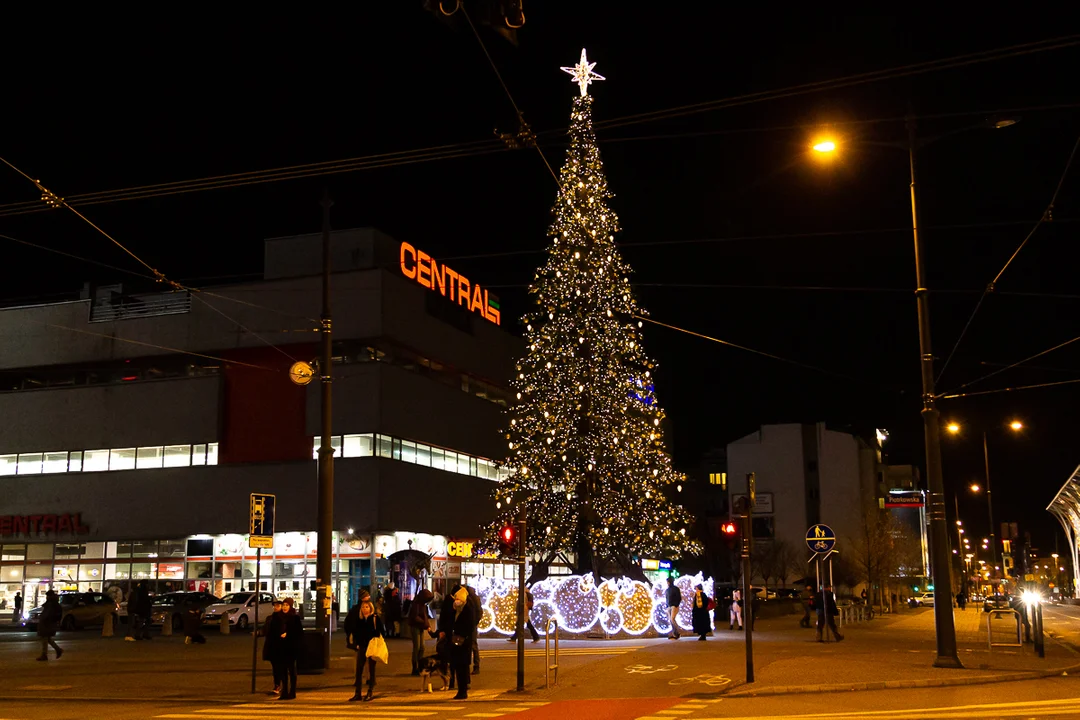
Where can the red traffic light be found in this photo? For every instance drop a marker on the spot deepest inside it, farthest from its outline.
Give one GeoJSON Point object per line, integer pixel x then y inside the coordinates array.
{"type": "Point", "coordinates": [729, 528]}
{"type": "Point", "coordinates": [507, 534]}
{"type": "Point", "coordinates": [508, 540]}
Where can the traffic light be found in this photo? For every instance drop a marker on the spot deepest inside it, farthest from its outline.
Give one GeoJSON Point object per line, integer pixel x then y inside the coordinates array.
{"type": "Point", "coordinates": [731, 533]}
{"type": "Point", "coordinates": [729, 528]}
{"type": "Point", "coordinates": [508, 541]}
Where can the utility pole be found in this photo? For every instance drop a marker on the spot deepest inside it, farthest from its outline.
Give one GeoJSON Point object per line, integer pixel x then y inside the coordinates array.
{"type": "Point", "coordinates": [522, 606]}
{"type": "Point", "coordinates": [939, 536]}
{"type": "Point", "coordinates": [325, 523]}
{"type": "Point", "coordinates": [994, 555]}
{"type": "Point", "coordinates": [747, 597]}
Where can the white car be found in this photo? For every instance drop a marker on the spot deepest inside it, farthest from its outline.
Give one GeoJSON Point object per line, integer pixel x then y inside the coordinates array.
{"type": "Point", "coordinates": [239, 608]}
{"type": "Point", "coordinates": [925, 598]}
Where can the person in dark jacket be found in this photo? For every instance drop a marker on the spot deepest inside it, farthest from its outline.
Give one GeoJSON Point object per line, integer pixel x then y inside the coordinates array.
{"type": "Point", "coordinates": [673, 597]}
{"type": "Point", "coordinates": [478, 614]}
{"type": "Point", "coordinates": [392, 609]}
{"type": "Point", "coordinates": [529, 604]}
{"type": "Point", "coordinates": [48, 622]}
{"type": "Point", "coordinates": [462, 623]}
{"type": "Point", "coordinates": [699, 613]}
{"type": "Point", "coordinates": [268, 654]}
{"type": "Point", "coordinates": [445, 628]}
{"type": "Point", "coordinates": [419, 624]}
{"type": "Point", "coordinates": [825, 605]}
{"type": "Point", "coordinates": [807, 602]}
{"type": "Point", "coordinates": [362, 625]}
{"type": "Point", "coordinates": [139, 610]}
{"type": "Point", "coordinates": [288, 636]}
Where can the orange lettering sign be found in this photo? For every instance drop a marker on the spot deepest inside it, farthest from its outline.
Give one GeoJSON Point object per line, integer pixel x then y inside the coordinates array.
{"type": "Point", "coordinates": [419, 266]}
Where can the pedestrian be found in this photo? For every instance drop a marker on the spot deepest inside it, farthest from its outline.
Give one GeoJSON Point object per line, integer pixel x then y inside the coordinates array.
{"type": "Point", "coordinates": [17, 605]}
{"type": "Point", "coordinates": [673, 598]}
{"type": "Point", "coordinates": [139, 612]}
{"type": "Point", "coordinates": [444, 646]}
{"type": "Point", "coordinates": [700, 610]}
{"type": "Point", "coordinates": [863, 596]}
{"type": "Point", "coordinates": [48, 622]}
{"type": "Point", "coordinates": [268, 654]}
{"type": "Point", "coordinates": [478, 614]}
{"type": "Point", "coordinates": [807, 602]}
{"type": "Point", "coordinates": [463, 627]}
{"type": "Point", "coordinates": [392, 609]}
{"type": "Point", "coordinates": [736, 614]}
{"type": "Point", "coordinates": [192, 621]}
{"type": "Point", "coordinates": [362, 625]}
{"type": "Point", "coordinates": [961, 600]}
{"type": "Point", "coordinates": [528, 618]}
{"type": "Point", "coordinates": [825, 604]}
{"type": "Point", "coordinates": [288, 637]}
{"type": "Point", "coordinates": [419, 626]}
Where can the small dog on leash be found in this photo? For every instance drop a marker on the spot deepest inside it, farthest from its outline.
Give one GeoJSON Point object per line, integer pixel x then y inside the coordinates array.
{"type": "Point", "coordinates": [431, 667]}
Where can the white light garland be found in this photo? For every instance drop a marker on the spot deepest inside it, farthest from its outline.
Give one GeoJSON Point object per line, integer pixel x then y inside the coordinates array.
{"type": "Point", "coordinates": [582, 73]}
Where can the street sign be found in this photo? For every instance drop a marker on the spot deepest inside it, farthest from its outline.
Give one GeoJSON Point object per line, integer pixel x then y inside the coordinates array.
{"type": "Point", "coordinates": [261, 527]}
{"type": "Point", "coordinates": [820, 538]}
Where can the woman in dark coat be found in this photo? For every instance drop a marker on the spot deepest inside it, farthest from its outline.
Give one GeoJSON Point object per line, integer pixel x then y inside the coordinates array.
{"type": "Point", "coordinates": [445, 629]}
{"type": "Point", "coordinates": [287, 633]}
{"type": "Point", "coordinates": [699, 613]}
{"type": "Point", "coordinates": [48, 622]}
{"type": "Point", "coordinates": [362, 625]}
{"type": "Point", "coordinates": [463, 628]}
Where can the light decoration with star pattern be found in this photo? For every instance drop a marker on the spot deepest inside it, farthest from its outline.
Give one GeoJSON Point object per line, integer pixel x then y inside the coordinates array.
{"type": "Point", "coordinates": [585, 438]}
{"type": "Point", "coordinates": [616, 605]}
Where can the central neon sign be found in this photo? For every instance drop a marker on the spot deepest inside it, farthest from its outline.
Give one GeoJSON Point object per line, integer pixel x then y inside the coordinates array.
{"type": "Point", "coordinates": [419, 266]}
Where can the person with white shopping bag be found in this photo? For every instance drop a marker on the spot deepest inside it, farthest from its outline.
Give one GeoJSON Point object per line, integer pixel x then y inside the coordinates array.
{"type": "Point", "coordinates": [364, 633]}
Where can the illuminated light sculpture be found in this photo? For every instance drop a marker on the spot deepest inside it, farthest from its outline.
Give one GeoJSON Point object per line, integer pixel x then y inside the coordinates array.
{"type": "Point", "coordinates": [583, 74]}
{"type": "Point", "coordinates": [616, 605]}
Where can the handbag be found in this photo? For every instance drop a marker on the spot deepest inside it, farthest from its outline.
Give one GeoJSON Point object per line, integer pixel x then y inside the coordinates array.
{"type": "Point", "coordinates": [377, 649]}
{"type": "Point", "coordinates": [458, 640]}
{"type": "Point", "coordinates": [712, 605]}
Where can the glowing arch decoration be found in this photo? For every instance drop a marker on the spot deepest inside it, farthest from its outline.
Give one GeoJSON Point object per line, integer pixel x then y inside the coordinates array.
{"type": "Point", "coordinates": [579, 604]}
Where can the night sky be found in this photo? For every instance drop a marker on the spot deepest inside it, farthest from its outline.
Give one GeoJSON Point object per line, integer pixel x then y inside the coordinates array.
{"type": "Point", "coordinates": [734, 231]}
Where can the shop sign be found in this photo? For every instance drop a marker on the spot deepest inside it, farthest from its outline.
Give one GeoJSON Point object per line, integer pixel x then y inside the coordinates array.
{"type": "Point", "coordinates": [763, 502]}
{"type": "Point", "coordinates": [460, 548]}
{"type": "Point", "coordinates": [649, 564]}
{"type": "Point", "coordinates": [911, 499]}
{"type": "Point", "coordinates": [419, 266]}
{"type": "Point", "coordinates": [665, 564]}
{"type": "Point", "coordinates": [65, 524]}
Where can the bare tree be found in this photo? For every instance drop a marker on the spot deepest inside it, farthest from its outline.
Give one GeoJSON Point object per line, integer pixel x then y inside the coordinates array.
{"type": "Point", "coordinates": [786, 559]}
{"type": "Point", "coordinates": [882, 549]}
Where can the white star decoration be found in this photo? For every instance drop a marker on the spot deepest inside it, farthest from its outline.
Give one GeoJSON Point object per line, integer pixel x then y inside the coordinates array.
{"type": "Point", "coordinates": [582, 73]}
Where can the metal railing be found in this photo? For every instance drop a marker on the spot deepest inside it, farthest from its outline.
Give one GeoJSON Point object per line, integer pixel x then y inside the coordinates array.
{"type": "Point", "coordinates": [137, 306]}
{"type": "Point", "coordinates": [990, 633]}
{"type": "Point", "coordinates": [548, 667]}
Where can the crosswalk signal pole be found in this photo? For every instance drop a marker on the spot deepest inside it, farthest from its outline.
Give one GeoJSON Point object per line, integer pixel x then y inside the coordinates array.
{"type": "Point", "coordinates": [521, 605]}
{"type": "Point", "coordinates": [747, 598]}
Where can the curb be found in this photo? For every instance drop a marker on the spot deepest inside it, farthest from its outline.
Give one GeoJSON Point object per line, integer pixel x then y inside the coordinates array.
{"type": "Point", "coordinates": [899, 684]}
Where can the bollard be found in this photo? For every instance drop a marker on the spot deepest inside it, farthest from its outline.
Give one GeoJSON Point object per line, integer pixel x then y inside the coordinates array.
{"type": "Point", "coordinates": [166, 626]}
{"type": "Point", "coordinates": [107, 626]}
{"type": "Point", "coordinates": [224, 624]}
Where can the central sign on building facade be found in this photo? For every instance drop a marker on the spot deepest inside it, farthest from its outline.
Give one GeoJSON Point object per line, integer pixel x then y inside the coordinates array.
{"type": "Point", "coordinates": [419, 266]}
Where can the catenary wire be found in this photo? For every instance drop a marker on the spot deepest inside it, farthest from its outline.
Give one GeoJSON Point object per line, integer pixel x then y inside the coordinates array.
{"type": "Point", "coordinates": [1010, 389]}
{"type": "Point", "coordinates": [846, 81]}
{"type": "Point", "coordinates": [750, 350]}
{"type": "Point", "coordinates": [158, 275]}
{"type": "Point", "coordinates": [1017, 363]}
{"type": "Point", "coordinates": [1046, 214]}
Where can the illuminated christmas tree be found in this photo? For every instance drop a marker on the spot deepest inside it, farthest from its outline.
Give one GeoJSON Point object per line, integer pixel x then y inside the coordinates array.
{"type": "Point", "coordinates": [585, 438]}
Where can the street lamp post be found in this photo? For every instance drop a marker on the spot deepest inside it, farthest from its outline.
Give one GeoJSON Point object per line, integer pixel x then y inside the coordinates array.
{"type": "Point", "coordinates": [990, 510]}
{"type": "Point", "coordinates": [943, 617]}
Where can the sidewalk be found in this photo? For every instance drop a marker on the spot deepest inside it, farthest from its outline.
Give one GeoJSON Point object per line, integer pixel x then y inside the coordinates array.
{"type": "Point", "coordinates": [898, 652]}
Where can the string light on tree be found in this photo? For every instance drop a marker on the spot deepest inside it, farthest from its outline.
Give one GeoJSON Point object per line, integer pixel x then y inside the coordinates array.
{"type": "Point", "coordinates": [587, 423]}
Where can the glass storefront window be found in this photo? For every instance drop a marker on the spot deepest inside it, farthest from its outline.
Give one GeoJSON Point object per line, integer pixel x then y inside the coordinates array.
{"type": "Point", "coordinates": [8, 464]}
{"type": "Point", "coordinates": [142, 571]}
{"type": "Point", "coordinates": [94, 550]}
{"type": "Point", "coordinates": [463, 464]}
{"type": "Point", "coordinates": [437, 457]}
{"type": "Point", "coordinates": [385, 446]}
{"type": "Point", "coordinates": [68, 551]}
{"type": "Point", "coordinates": [198, 454]}
{"type": "Point", "coordinates": [91, 572]}
{"type": "Point", "coordinates": [357, 446]}
{"type": "Point", "coordinates": [37, 572]}
{"type": "Point", "coordinates": [177, 456]}
{"type": "Point", "coordinates": [118, 571]}
{"type": "Point", "coordinates": [211, 454]}
{"type": "Point", "coordinates": [39, 551]}
{"type": "Point", "coordinates": [171, 548]}
{"type": "Point", "coordinates": [170, 571]}
{"type": "Point", "coordinates": [144, 548]}
{"type": "Point", "coordinates": [423, 455]}
{"type": "Point", "coordinates": [55, 462]}
{"type": "Point", "coordinates": [13, 552]}
{"type": "Point", "coordinates": [95, 461]}
{"type": "Point", "coordinates": [200, 570]}
{"type": "Point", "coordinates": [149, 457]}
{"type": "Point", "coordinates": [30, 463]}
{"type": "Point", "coordinates": [75, 462]}
{"type": "Point", "coordinates": [13, 574]}
{"type": "Point", "coordinates": [66, 573]}
{"type": "Point", "coordinates": [408, 451]}
{"type": "Point", "coordinates": [122, 459]}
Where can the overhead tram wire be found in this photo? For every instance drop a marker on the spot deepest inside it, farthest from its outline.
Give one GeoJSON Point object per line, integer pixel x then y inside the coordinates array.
{"type": "Point", "coordinates": [842, 82]}
{"type": "Point", "coordinates": [1016, 364]}
{"type": "Point", "coordinates": [1046, 216]}
{"type": "Point", "coordinates": [54, 200]}
{"type": "Point", "coordinates": [374, 162]}
{"type": "Point", "coordinates": [778, 358]}
{"type": "Point", "coordinates": [1036, 386]}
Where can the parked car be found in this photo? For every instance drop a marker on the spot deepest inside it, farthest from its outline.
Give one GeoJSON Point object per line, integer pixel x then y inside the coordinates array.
{"type": "Point", "coordinates": [763, 593]}
{"type": "Point", "coordinates": [239, 608]}
{"type": "Point", "coordinates": [171, 607]}
{"type": "Point", "coordinates": [925, 598]}
{"type": "Point", "coordinates": [996, 602]}
{"type": "Point", "coordinates": [79, 609]}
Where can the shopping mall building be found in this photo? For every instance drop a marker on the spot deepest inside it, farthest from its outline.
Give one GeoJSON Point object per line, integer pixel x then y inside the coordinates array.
{"type": "Point", "coordinates": [137, 426]}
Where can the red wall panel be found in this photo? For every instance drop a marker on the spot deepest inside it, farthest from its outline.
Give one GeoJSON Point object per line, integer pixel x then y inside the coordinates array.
{"type": "Point", "coordinates": [263, 410]}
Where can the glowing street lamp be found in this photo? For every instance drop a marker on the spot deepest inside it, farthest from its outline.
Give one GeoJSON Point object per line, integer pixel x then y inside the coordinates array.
{"type": "Point", "coordinates": [825, 146]}
{"type": "Point", "coordinates": [953, 428]}
{"type": "Point", "coordinates": [975, 487]}
{"type": "Point", "coordinates": [1016, 426]}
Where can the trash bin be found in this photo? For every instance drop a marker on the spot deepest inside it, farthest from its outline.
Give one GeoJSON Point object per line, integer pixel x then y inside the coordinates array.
{"type": "Point", "coordinates": [310, 661]}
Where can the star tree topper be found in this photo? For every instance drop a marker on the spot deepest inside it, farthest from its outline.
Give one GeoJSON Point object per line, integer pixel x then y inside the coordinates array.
{"type": "Point", "coordinates": [582, 73]}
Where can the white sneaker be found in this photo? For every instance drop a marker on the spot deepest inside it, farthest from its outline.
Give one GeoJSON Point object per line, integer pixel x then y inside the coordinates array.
{"type": "Point", "coordinates": [129, 639]}
{"type": "Point", "coordinates": [187, 641]}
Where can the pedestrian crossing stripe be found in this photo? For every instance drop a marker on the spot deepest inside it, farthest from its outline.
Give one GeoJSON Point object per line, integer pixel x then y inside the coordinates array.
{"type": "Point", "coordinates": [562, 652]}
{"type": "Point", "coordinates": [1032, 708]}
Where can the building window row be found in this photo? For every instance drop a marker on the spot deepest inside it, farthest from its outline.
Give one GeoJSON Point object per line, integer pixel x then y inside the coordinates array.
{"type": "Point", "coordinates": [376, 445]}
{"type": "Point", "coordinates": [109, 460]}
{"type": "Point", "coordinates": [718, 479]}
